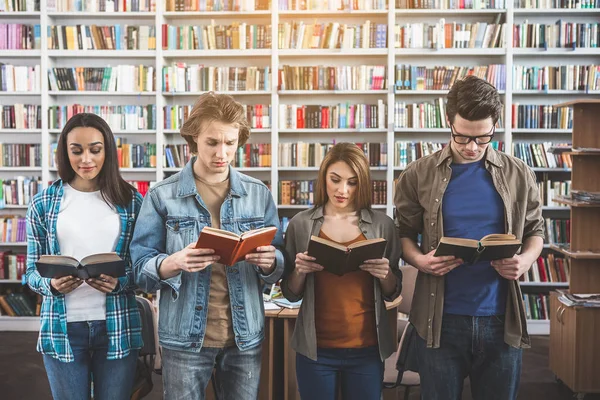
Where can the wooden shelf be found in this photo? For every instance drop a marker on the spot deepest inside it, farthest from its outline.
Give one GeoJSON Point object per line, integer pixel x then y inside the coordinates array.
{"type": "Point", "coordinates": [578, 255]}
{"type": "Point", "coordinates": [574, 203]}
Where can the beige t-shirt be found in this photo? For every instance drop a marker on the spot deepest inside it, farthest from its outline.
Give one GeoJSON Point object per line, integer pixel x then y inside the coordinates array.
{"type": "Point", "coordinates": [219, 327]}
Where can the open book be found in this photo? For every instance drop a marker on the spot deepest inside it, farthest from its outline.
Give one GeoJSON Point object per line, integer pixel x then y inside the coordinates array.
{"type": "Point", "coordinates": [339, 259]}
{"type": "Point", "coordinates": [111, 264]}
{"type": "Point", "coordinates": [232, 247]}
{"type": "Point", "coordinates": [489, 248]}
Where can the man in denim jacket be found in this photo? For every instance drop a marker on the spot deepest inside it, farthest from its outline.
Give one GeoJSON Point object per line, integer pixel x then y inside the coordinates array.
{"type": "Point", "coordinates": [211, 315]}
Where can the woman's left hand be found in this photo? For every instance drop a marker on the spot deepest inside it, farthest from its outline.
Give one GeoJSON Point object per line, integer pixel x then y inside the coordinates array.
{"type": "Point", "coordinates": [103, 283]}
{"type": "Point", "coordinates": [379, 268]}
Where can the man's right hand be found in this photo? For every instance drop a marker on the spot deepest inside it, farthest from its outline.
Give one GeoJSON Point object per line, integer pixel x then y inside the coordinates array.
{"type": "Point", "coordinates": [66, 284]}
{"type": "Point", "coordinates": [189, 259]}
{"type": "Point", "coordinates": [437, 266]}
{"type": "Point", "coordinates": [305, 264]}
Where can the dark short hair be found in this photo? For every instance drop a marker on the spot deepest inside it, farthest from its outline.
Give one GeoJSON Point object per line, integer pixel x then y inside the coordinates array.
{"type": "Point", "coordinates": [474, 99]}
{"type": "Point", "coordinates": [352, 155]}
{"type": "Point", "coordinates": [215, 107]}
{"type": "Point", "coordinates": [113, 187]}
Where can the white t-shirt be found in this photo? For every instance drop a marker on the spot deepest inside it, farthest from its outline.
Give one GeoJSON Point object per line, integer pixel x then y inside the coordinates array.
{"type": "Point", "coordinates": [86, 225]}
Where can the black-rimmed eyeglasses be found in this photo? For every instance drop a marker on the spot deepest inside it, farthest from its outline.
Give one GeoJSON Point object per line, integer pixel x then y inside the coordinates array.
{"type": "Point", "coordinates": [480, 139]}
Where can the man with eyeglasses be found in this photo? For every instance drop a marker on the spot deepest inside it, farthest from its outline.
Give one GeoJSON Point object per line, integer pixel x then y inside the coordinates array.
{"type": "Point", "coordinates": [470, 318]}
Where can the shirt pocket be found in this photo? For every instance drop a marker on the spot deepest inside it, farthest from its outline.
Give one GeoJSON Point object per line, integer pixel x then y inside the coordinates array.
{"type": "Point", "coordinates": [180, 233]}
{"type": "Point", "coordinates": [248, 224]}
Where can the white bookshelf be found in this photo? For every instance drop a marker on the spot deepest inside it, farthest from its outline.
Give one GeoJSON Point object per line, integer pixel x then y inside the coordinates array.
{"type": "Point", "coordinates": [274, 58]}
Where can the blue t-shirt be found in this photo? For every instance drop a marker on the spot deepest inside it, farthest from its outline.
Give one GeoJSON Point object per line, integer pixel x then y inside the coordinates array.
{"type": "Point", "coordinates": [472, 208]}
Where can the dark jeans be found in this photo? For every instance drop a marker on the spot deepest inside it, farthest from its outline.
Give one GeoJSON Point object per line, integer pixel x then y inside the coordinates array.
{"type": "Point", "coordinates": [360, 373]}
{"type": "Point", "coordinates": [186, 374]}
{"type": "Point", "coordinates": [473, 347]}
{"type": "Point", "coordinates": [113, 379]}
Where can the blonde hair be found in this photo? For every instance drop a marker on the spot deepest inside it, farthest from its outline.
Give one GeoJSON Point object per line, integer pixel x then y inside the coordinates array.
{"type": "Point", "coordinates": [352, 155]}
{"type": "Point", "coordinates": [215, 107]}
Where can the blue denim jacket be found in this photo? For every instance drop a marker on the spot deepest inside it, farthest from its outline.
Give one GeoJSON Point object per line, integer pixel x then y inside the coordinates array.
{"type": "Point", "coordinates": [172, 216]}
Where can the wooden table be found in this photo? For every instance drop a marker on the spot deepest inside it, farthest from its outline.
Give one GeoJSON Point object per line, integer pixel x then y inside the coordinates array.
{"type": "Point", "coordinates": [290, 386]}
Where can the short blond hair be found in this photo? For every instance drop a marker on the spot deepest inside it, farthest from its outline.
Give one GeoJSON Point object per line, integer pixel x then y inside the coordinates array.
{"type": "Point", "coordinates": [215, 107]}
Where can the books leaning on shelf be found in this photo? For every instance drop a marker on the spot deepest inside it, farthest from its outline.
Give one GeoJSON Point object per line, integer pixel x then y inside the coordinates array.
{"type": "Point", "coordinates": [23, 78]}
{"type": "Point", "coordinates": [21, 116]}
{"type": "Point", "coordinates": [217, 5]}
{"type": "Point", "coordinates": [120, 78]}
{"type": "Point", "coordinates": [12, 266]}
{"type": "Point", "coordinates": [536, 306]}
{"type": "Point", "coordinates": [94, 37]}
{"type": "Point", "coordinates": [450, 35]}
{"type": "Point", "coordinates": [536, 116]}
{"type": "Point", "coordinates": [19, 5]}
{"type": "Point", "coordinates": [57, 266]}
{"type": "Point", "coordinates": [18, 191]}
{"type": "Point", "coordinates": [301, 192]}
{"type": "Point", "coordinates": [550, 268]}
{"type": "Point", "coordinates": [413, 77]}
{"type": "Point", "coordinates": [118, 117]}
{"type": "Point", "coordinates": [258, 115]}
{"type": "Point", "coordinates": [407, 152]}
{"type": "Point", "coordinates": [563, 77]}
{"type": "Point", "coordinates": [20, 155]}
{"type": "Point", "coordinates": [488, 248]}
{"type": "Point", "coordinates": [559, 34]}
{"type": "Point", "coordinates": [128, 155]}
{"type": "Point", "coordinates": [339, 259]}
{"type": "Point", "coordinates": [538, 155]}
{"type": "Point", "coordinates": [253, 155]}
{"type": "Point", "coordinates": [20, 37]}
{"type": "Point", "coordinates": [556, 4]}
{"type": "Point", "coordinates": [181, 78]}
{"type": "Point", "coordinates": [343, 115]}
{"type": "Point", "coordinates": [557, 231]}
{"type": "Point", "coordinates": [333, 35]}
{"type": "Point", "coordinates": [176, 155]}
{"type": "Point", "coordinates": [20, 304]}
{"type": "Point", "coordinates": [232, 247]}
{"type": "Point", "coordinates": [357, 77]}
{"type": "Point", "coordinates": [101, 6]}
{"type": "Point", "coordinates": [304, 155]}
{"type": "Point", "coordinates": [237, 36]}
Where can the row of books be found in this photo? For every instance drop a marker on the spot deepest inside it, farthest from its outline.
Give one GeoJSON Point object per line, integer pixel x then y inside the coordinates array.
{"type": "Point", "coordinates": [198, 78]}
{"type": "Point", "coordinates": [21, 116]}
{"type": "Point", "coordinates": [20, 155]}
{"type": "Point", "coordinates": [121, 117]}
{"type": "Point", "coordinates": [560, 34]}
{"type": "Point", "coordinates": [563, 77]}
{"type": "Point", "coordinates": [20, 304]}
{"type": "Point", "coordinates": [331, 5]}
{"type": "Point", "coordinates": [450, 4]}
{"type": "Point", "coordinates": [449, 35]}
{"type": "Point", "coordinates": [20, 78]}
{"type": "Point", "coordinates": [301, 192]}
{"type": "Point", "coordinates": [332, 35]}
{"type": "Point", "coordinates": [176, 155]}
{"type": "Point", "coordinates": [420, 115]}
{"type": "Point", "coordinates": [538, 155]}
{"type": "Point", "coordinates": [549, 189]}
{"type": "Point", "coordinates": [237, 35]}
{"type": "Point", "coordinates": [101, 5]}
{"type": "Point", "coordinates": [12, 266]}
{"type": "Point", "coordinates": [142, 186]}
{"type": "Point", "coordinates": [346, 77]}
{"type": "Point", "coordinates": [107, 37]}
{"type": "Point", "coordinates": [564, 4]}
{"type": "Point", "coordinates": [420, 77]}
{"type": "Point", "coordinates": [19, 36]}
{"type": "Point", "coordinates": [557, 231]}
{"type": "Point", "coordinates": [128, 155]}
{"type": "Point", "coordinates": [13, 229]}
{"type": "Point", "coordinates": [302, 154]}
{"type": "Point", "coordinates": [258, 115]}
{"type": "Point", "coordinates": [19, 190]}
{"type": "Point", "coordinates": [537, 306]}
{"type": "Point", "coordinates": [343, 115]}
{"type": "Point", "coordinates": [548, 268]}
{"type": "Point", "coordinates": [217, 5]}
{"type": "Point", "coordinates": [253, 155]}
{"type": "Point", "coordinates": [120, 78]}
{"type": "Point", "coordinates": [407, 152]}
{"type": "Point", "coordinates": [19, 5]}
{"type": "Point", "coordinates": [537, 116]}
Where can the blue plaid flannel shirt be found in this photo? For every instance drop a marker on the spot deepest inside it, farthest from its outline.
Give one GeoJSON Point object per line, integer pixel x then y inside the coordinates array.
{"type": "Point", "coordinates": [123, 322]}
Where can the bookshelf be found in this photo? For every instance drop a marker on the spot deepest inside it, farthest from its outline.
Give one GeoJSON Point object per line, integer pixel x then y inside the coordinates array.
{"type": "Point", "coordinates": [275, 57]}
{"type": "Point", "coordinates": [574, 354]}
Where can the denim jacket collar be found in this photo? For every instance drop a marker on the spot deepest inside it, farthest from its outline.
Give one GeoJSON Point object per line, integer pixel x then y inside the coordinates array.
{"type": "Point", "coordinates": [365, 215]}
{"type": "Point", "coordinates": [491, 157]}
{"type": "Point", "coordinates": [187, 184]}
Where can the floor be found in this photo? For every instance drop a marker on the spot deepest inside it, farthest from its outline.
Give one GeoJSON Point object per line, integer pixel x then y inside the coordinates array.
{"type": "Point", "coordinates": [22, 374]}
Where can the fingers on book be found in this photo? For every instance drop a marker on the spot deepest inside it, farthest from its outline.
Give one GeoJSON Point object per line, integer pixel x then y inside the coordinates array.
{"type": "Point", "coordinates": [492, 247]}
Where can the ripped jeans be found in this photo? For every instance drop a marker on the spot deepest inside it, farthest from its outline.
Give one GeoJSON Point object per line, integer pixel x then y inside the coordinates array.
{"type": "Point", "coordinates": [186, 374]}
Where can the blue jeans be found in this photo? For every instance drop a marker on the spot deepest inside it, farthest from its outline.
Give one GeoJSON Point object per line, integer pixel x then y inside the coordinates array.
{"type": "Point", "coordinates": [473, 347]}
{"type": "Point", "coordinates": [359, 372]}
{"type": "Point", "coordinates": [113, 379]}
{"type": "Point", "coordinates": [186, 374]}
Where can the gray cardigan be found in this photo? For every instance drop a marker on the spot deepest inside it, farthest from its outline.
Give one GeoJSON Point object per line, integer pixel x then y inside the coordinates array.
{"type": "Point", "coordinates": [373, 224]}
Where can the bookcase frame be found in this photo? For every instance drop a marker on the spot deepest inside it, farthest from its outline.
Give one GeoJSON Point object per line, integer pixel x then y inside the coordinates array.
{"type": "Point", "coordinates": [275, 57]}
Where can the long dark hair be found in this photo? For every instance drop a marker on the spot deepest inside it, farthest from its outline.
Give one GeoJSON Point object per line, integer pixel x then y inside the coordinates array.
{"type": "Point", "coordinates": [115, 191]}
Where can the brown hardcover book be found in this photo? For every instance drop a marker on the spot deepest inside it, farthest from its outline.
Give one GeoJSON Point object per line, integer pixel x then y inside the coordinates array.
{"type": "Point", "coordinates": [54, 266]}
{"type": "Point", "coordinates": [6, 307]}
{"type": "Point", "coordinates": [491, 247]}
{"type": "Point", "coordinates": [339, 259]}
{"type": "Point", "coordinates": [233, 247]}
